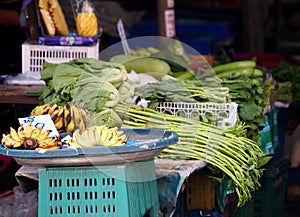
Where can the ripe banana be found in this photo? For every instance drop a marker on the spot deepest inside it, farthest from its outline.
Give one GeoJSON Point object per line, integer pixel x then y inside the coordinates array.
{"type": "Point", "coordinates": [59, 124]}
{"type": "Point", "coordinates": [78, 139]}
{"type": "Point", "coordinates": [40, 110]}
{"type": "Point", "coordinates": [28, 130]}
{"type": "Point", "coordinates": [98, 135]}
{"type": "Point", "coordinates": [14, 135]}
{"type": "Point", "coordinates": [43, 135]}
{"type": "Point", "coordinates": [30, 138]}
{"type": "Point", "coordinates": [21, 132]}
{"type": "Point", "coordinates": [77, 116]}
{"type": "Point", "coordinates": [66, 118]}
{"type": "Point", "coordinates": [36, 132]}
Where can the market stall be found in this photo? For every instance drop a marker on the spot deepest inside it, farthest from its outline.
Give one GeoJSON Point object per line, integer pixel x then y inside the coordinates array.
{"type": "Point", "coordinates": [141, 125]}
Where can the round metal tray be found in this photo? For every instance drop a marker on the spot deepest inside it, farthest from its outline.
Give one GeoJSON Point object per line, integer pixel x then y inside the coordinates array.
{"type": "Point", "coordinates": [142, 144]}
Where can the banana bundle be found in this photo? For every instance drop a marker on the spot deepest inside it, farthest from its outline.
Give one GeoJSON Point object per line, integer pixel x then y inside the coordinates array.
{"type": "Point", "coordinates": [30, 138]}
{"type": "Point", "coordinates": [98, 136]}
{"type": "Point", "coordinates": [67, 118]}
{"type": "Point", "coordinates": [53, 17]}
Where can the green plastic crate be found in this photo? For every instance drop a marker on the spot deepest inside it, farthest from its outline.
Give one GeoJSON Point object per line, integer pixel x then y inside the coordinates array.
{"type": "Point", "coordinates": [104, 191]}
{"type": "Point", "coordinates": [269, 201]}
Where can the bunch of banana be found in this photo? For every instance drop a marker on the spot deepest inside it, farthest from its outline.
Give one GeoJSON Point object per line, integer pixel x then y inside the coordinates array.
{"type": "Point", "coordinates": [98, 136]}
{"type": "Point", "coordinates": [67, 118]}
{"type": "Point", "coordinates": [30, 138]}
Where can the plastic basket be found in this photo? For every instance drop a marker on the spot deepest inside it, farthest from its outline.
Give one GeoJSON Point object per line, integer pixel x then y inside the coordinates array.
{"type": "Point", "coordinates": [120, 190]}
{"type": "Point", "coordinates": [224, 115]}
{"type": "Point", "coordinates": [33, 55]}
{"type": "Point", "coordinates": [269, 201]}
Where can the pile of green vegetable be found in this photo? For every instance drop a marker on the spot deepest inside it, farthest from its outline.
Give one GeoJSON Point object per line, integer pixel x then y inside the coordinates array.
{"type": "Point", "coordinates": [251, 94]}
{"type": "Point", "coordinates": [288, 76]}
{"type": "Point", "coordinates": [229, 153]}
{"type": "Point", "coordinates": [183, 91]}
{"type": "Point", "coordinates": [96, 85]}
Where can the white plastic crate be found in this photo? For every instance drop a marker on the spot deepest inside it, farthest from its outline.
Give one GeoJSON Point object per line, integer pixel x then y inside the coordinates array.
{"type": "Point", "coordinates": [224, 114]}
{"type": "Point", "coordinates": [33, 56]}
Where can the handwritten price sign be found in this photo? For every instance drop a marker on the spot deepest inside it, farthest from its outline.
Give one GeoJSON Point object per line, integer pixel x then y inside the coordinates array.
{"type": "Point", "coordinates": [43, 121]}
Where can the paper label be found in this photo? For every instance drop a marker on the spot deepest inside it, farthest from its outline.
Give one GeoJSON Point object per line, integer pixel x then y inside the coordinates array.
{"type": "Point", "coordinates": [123, 37]}
{"type": "Point", "coordinates": [43, 121]}
{"type": "Point", "coordinates": [170, 23]}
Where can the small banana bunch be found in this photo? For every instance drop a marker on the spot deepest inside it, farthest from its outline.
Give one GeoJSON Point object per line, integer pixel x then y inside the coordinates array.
{"type": "Point", "coordinates": [98, 136]}
{"type": "Point", "coordinates": [66, 118]}
{"type": "Point", "coordinates": [30, 138]}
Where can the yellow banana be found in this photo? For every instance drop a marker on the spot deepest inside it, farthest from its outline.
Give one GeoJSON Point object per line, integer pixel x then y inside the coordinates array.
{"type": "Point", "coordinates": [52, 108]}
{"type": "Point", "coordinates": [97, 135]}
{"type": "Point", "coordinates": [68, 120]}
{"type": "Point", "coordinates": [123, 138]}
{"type": "Point", "coordinates": [104, 133]}
{"type": "Point", "coordinates": [28, 130]}
{"type": "Point", "coordinates": [59, 123]}
{"type": "Point", "coordinates": [77, 117]}
{"type": "Point", "coordinates": [14, 135]}
{"type": "Point", "coordinates": [40, 110]}
{"type": "Point", "coordinates": [90, 133]}
{"type": "Point", "coordinates": [113, 140]}
{"type": "Point", "coordinates": [36, 132]}
{"type": "Point", "coordinates": [21, 132]}
{"type": "Point", "coordinates": [43, 135]}
{"type": "Point", "coordinates": [57, 113]}
{"type": "Point", "coordinates": [49, 142]}
{"type": "Point", "coordinates": [79, 138]}
{"type": "Point", "coordinates": [70, 126]}
{"type": "Point", "coordinates": [8, 142]}
{"type": "Point", "coordinates": [85, 116]}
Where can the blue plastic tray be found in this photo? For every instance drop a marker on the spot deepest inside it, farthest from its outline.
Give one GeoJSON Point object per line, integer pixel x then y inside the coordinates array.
{"type": "Point", "coordinates": [142, 144]}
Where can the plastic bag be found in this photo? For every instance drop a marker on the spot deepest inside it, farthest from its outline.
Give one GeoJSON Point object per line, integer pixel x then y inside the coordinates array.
{"type": "Point", "coordinates": [86, 20]}
{"type": "Point", "coordinates": [20, 204]}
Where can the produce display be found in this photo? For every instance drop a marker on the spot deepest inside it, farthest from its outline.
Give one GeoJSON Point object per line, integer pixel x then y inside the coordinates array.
{"type": "Point", "coordinates": [30, 138]}
{"type": "Point", "coordinates": [66, 118]}
{"type": "Point", "coordinates": [92, 99]}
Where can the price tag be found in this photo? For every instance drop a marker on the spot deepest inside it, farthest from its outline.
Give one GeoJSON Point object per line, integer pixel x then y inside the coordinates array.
{"type": "Point", "coordinates": [170, 23]}
{"type": "Point", "coordinates": [123, 37]}
{"type": "Point", "coordinates": [43, 121]}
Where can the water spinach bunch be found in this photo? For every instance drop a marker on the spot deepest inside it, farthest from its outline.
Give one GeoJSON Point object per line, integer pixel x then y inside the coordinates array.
{"type": "Point", "coordinates": [228, 151]}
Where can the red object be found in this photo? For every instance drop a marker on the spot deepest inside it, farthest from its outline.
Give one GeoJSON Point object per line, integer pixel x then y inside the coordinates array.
{"type": "Point", "coordinates": [4, 162]}
{"type": "Point", "coordinates": [267, 60]}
